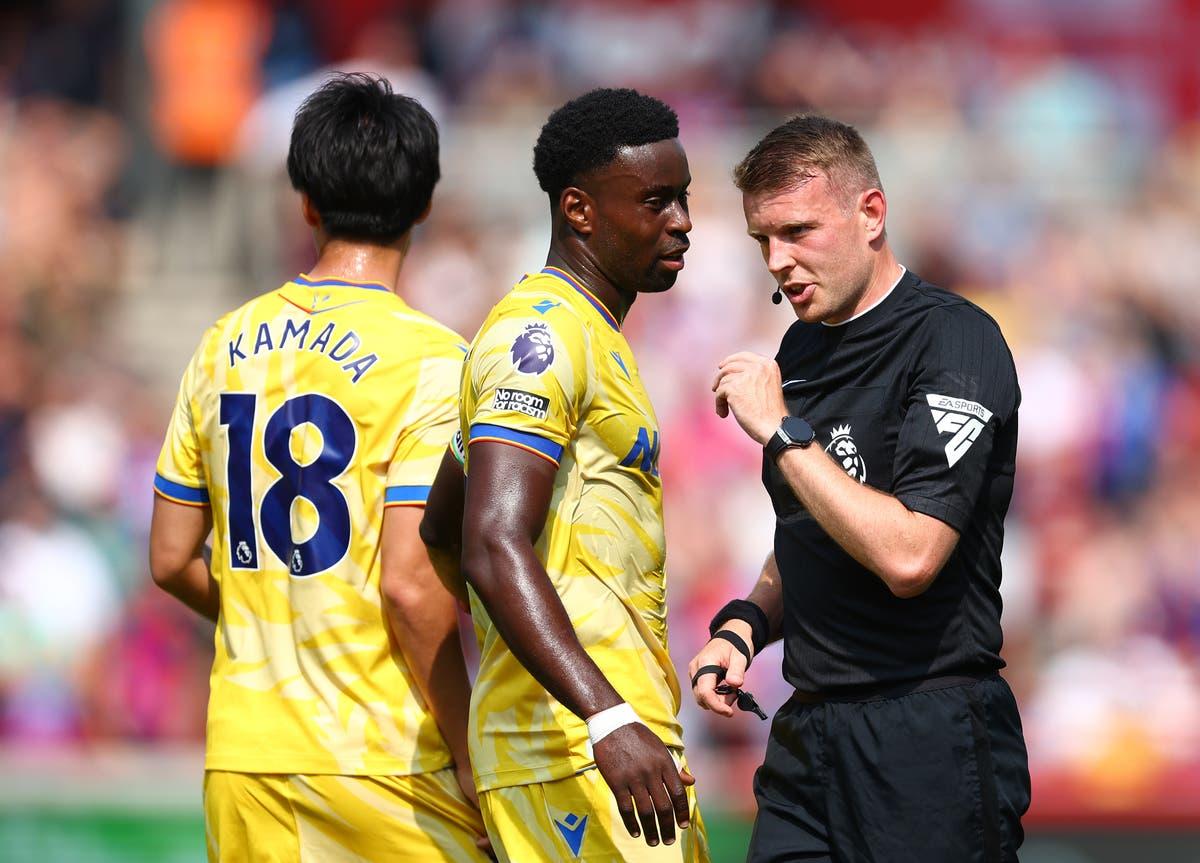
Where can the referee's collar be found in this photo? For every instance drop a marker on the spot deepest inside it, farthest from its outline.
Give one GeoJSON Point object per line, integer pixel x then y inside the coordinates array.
{"type": "Point", "coordinates": [874, 305]}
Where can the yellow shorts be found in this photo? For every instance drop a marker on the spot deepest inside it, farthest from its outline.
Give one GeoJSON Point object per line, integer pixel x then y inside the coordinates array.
{"type": "Point", "coordinates": [577, 819]}
{"type": "Point", "coordinates": [304, 818]}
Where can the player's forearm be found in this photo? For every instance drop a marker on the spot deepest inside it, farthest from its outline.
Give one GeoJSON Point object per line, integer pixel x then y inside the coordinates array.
{"type": "Point", "coordinates": [193, 585]}
{"type": "Point", "coordinates": [441, 524]}
{"type": "Point", "coordinates": [447, 565]}
{"type": "Point", "coordinates": [179, 557]}
{"type": "Point", "coordinates": [529, 615]}
{"type": "Point", "coordinates": [905, 549]}
{"type": "Point", "coordinates": [424, 620]}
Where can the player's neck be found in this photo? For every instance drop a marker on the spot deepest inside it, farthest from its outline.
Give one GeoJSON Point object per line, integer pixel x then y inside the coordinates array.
{"type": "Point", "coordinates": [360, 262]}
{"type": "Point", "coordinates": [589, 275]}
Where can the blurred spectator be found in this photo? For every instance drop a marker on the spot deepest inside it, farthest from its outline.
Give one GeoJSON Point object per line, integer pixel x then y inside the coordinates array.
{"type": "Point", "coordinates": [59, 600]}
{"type": "Point", "coordinates": [69, 51]}
{"type": "Point", "coordinates": [205, 67]}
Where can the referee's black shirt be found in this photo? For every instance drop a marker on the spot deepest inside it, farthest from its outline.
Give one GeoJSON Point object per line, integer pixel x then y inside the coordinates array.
{"type": "Point", "coordinates": [916, 397]}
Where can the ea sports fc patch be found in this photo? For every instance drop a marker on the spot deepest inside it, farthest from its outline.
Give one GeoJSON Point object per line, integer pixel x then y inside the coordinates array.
{"type": "Point", "coordinates": [959, 417]}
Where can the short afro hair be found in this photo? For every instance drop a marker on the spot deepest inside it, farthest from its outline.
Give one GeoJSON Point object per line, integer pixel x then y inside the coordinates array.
{"type": "Point", "coordinates": [367, 157]}
{"type": "Point", "coordinates": [587, 132]}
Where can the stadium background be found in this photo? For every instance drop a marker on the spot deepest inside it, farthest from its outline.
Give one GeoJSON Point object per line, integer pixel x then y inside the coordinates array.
{"type": "Point", "coordinates": [1040, 156]}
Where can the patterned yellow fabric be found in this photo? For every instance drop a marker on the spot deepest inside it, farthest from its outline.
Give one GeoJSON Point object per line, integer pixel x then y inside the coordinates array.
{"type": "Point", "coordinates": [577, 819]}
{"type": "Point", "coordinates": [280, 818]}
{"type": "Point", "coordinates": [550, 372]}
{"type": "Point", "coordinates": [299, 414]}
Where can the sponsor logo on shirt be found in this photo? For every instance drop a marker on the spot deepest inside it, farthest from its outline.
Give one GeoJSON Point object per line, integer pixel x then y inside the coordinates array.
{"type": "Point", "coordinates": [845, 451]}
{"type": "Point", "coordinates": [533, 350]}
{"type": "Point", "coordinates": [961, 418]}
{"type": "Point", "coordinates": [644, 453]}
{"type": "Point", "coordinates": [522, 402]}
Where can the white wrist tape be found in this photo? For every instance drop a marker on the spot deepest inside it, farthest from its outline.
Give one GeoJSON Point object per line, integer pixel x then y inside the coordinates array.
{"type": "Point", "coordinates": [604, 723]}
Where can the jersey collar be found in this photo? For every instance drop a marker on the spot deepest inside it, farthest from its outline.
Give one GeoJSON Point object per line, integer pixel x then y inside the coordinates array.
{"type": "Point", "coordinates": [308, 282]}
{"type": "Point", "coordinates": [587, 295]}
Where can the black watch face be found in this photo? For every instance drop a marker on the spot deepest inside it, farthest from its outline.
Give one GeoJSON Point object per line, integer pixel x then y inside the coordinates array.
{"type": "Point", "coordinates": [798, 430]}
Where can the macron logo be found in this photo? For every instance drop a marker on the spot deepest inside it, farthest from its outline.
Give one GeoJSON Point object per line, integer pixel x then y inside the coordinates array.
{"type": "Point", "coordinates": [961, 418]}
{"type": "Point", "coordinates": [572, 828]}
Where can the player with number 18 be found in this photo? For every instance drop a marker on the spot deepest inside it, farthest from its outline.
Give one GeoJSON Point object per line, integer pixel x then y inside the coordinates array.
{"type": "Point", "coordinates": [307, 432]}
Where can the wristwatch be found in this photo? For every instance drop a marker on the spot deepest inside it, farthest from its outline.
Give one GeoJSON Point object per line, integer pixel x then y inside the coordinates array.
{"type": "Point", "coordinates": [792, 432]}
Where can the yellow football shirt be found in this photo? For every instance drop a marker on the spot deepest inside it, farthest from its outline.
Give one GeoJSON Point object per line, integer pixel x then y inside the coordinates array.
{"type": "Point", "coordinates": [300, 417]}
{"type": "Point", "coordinates": [550, 372]}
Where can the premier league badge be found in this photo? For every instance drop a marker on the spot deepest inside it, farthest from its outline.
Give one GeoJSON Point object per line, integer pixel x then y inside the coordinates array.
{"type": "Point", "coordinates": [845, 451]}
{"type": "Point", "coordinates": [533, 350]}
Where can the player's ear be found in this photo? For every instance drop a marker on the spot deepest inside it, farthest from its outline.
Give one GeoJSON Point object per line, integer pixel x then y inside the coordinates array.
{"type": "Point", "coordinates": [578, 209]}
{"type": "Point", "coordinates": [424, 213]}
{"type": "Point", "coordinates": [872, 209]}
{"type": "Point", "coordinates": [311, 217]}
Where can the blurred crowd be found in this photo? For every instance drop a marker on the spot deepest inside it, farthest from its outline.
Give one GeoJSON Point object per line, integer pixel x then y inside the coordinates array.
{"type": "Point", "coordinates": [1044, 163]}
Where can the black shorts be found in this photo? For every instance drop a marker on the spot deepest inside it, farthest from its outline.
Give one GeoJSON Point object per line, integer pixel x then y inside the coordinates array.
{"type": "Point", "coordinates": [935, 776]}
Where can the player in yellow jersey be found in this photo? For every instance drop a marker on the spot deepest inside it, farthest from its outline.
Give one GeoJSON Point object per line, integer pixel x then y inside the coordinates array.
{"type": "Point", "coordinates": [574, 738]}
{"type": "Point", "coordinates": [307, 432]}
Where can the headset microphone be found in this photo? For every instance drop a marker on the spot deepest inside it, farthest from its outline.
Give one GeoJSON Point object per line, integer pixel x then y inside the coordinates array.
{"type": "Point", "coordinates": [777, 297]}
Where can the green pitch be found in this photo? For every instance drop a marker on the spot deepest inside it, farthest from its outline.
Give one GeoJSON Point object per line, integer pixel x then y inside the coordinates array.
{"type": "Point", "coordinates": [99, 836]}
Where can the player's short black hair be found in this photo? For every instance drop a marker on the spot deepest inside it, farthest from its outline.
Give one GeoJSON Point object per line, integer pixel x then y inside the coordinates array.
{"type": "Point", "coordinates": [586, 133]}
{"type": "Point", "coordinates": [365, 156]}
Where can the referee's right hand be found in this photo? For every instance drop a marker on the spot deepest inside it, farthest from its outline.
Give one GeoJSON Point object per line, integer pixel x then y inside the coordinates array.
{"type": "Point", "coordinates": [720, 653]}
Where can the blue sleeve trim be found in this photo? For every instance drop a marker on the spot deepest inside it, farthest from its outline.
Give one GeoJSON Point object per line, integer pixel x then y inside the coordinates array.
{"type": "Point", "coordinates": [406, 494]}
{"type": "Point", "coordinates": [180, 492]}
{"type": "Point", "coordinates": [529, 440]}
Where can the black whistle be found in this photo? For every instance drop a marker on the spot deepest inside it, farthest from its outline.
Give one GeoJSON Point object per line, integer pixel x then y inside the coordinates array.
{"type": "Point", "coordinates": [745, 701]}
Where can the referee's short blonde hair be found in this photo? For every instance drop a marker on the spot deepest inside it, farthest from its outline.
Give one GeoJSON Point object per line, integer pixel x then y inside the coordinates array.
{"type": "Point", "coordinates": [804, 147]}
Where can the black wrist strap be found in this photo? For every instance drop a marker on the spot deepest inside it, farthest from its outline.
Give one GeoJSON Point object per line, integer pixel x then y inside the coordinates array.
{"type": "Point", "coordinates": [708, 669]}
{"type": "Point", "coordinates": [737, 641]}
{"type": "Point", "coordinates": [744, 610]}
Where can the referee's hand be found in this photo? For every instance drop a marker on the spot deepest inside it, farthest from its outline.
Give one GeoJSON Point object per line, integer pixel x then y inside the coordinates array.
{"type": "Point", "coordinates": [721, 653]}
{"type": "Point", "coordinates": [750, 387]}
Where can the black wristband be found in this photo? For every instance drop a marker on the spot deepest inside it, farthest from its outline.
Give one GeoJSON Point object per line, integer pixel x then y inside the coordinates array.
{"type": "Point", "coordinates": [708, 669]}
{"type": "Point", "coordinates": [738, 642]}
{"type": "Point", "coordinates": [744, 610]}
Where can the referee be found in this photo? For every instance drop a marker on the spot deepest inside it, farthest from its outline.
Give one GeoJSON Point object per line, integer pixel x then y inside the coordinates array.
{"type": "Point", "coordinates": [889, 426]}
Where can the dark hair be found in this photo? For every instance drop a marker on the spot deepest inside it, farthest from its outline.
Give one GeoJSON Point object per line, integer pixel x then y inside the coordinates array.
{"type": "Point", "coordinates": [586, 133]}
{"type": "Point", "coordinates": [365, 156]}
{"type": "Point", "coordinates": [792, 154]}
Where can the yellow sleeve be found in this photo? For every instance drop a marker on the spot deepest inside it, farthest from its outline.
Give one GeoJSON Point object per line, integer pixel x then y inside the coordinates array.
{"type": "Point", "coordinates": [429, 423]}
{"type": "Point", "coordinates": [528, 382]}
{"type": "Point", "coordinates": [180, 476]}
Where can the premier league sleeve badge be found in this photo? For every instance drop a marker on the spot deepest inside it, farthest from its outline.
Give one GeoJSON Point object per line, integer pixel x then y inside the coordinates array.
{"type": "Point", "coordinates": [533, 350]}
